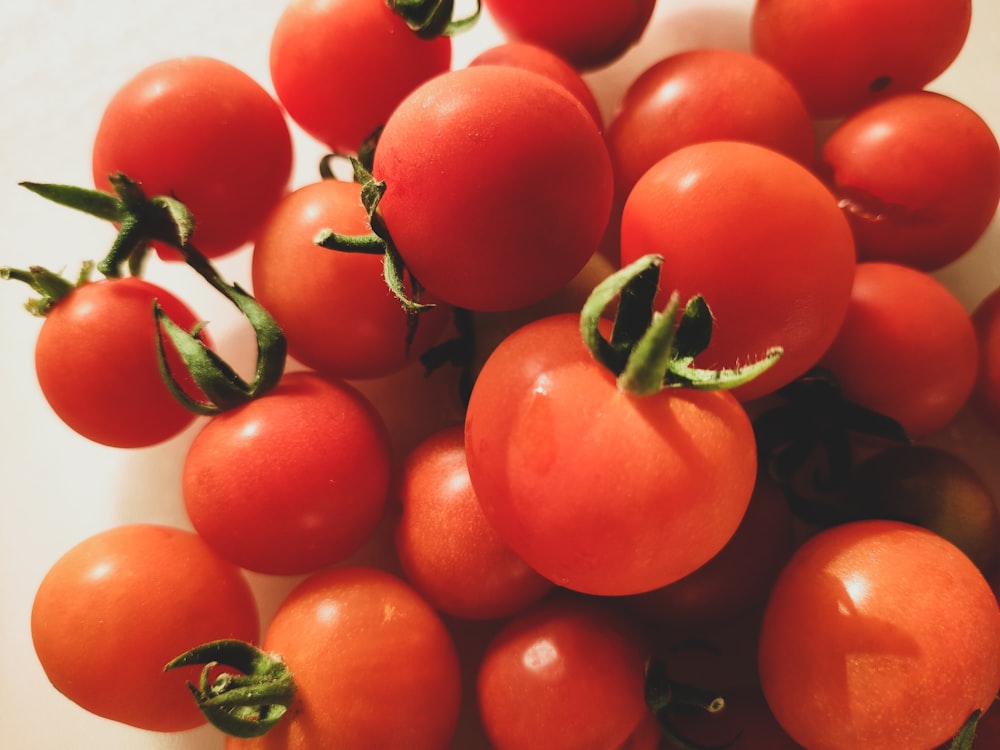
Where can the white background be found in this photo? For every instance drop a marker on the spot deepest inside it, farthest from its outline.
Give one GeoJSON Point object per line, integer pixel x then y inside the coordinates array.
{"type": "Point", "coordinates": [61, 62]}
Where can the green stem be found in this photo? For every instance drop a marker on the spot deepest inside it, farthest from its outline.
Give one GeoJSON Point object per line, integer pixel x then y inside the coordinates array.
{"type": "Point", "coordinates": [430, 19]}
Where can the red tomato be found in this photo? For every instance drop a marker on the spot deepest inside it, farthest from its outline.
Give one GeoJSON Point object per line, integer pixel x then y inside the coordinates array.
{"type": "Point", "coordinates": [986, 391]}
{"type": "Point", "coordinates": [589, 34]}
{"type": "Point", "coordinates": [600, 490]}
{"type": "Point", "coordinates": [907, 348]}
{"type": "Point", "coordinates": [97, 366]}
{"type": "Point", "coordinates": [339, 67]}
{"type": "Point", "coordinates": [337, 314]}
{"type": "Point", "coordinates": [521, 194]}
{"type": "Point", "coordinates": [449, 551]}
{"type": "Point", "coordinates": [705, 95]}
{"type": "Point", "coordinates": [879, 634]}
{"type": "Point", "coordinates": [846, 54]}
{"type": "Point", "coordinates": [292, 481]}
{"type": "Point", "coordinates": [566, 673]}
{"type": "Point", "coordinates": [114, 609]}
{"type": "Point", "coordinates": [760, 238]}
{"type": "Point", "coordinates": [545, 61]}
{"type": "Point", "coordinates": [206, 133]}
{"type": "Point", "coordinates": [373, 665]}
{"type": "Point", "coordinates": [918, 176]}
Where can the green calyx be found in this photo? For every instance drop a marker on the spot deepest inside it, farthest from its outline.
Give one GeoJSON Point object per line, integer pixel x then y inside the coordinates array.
{"type": "Point", "coordinates": [50, 286]}
{"type": "Point", "coordinates": [143, 221]}
{"type": "Point", "coordinates": [248, 703]}
{"type": "Point", "coordinates": [650, 350]}
{"type": "Point", "coordinates": [429, 19]}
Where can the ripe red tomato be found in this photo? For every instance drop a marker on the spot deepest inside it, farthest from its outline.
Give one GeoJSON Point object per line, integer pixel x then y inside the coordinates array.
{"type": "Point", "coordinates": [114, 609]}
{"type": "Point", "coordinates": [96, 362]}
{"type": "Point", "coordinates": [986, 391]}
{"type": "Point", "coordinates": [292, 481]}
{"type": "Point", "coordinates": [590, 34]}
{"type": "Point", "coordinates": [918, 176]}
{"type": "Point", "coordinates": [373, 666]}
{"type": "Point", "coordinates": [846, 54]}
{"type": "Point", "coordinates": [760, 238]}
{"type": "Point", "coordinates": [206, 133]}
{"type": "Point", "coordinates": [340, 67]}
{"type": "Point", "coordinates": [600, 490]}
{"type": "Point", "coordinates": [335, 310]}
{"type": "Point", "coordinates": [879, 634]}
{"type": "Point", "coordinates": [498, 186]}
{"type": "Point", "coordinates": [907, 348]}
{"type": "Point", "coordinates": [705, 95]}
{"type": "Point", "coordinates": [566, 673]}
{"type": "Point", "coordinates": [449, 551]}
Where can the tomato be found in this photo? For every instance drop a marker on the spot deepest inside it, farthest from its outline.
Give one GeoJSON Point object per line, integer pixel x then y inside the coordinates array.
{"type": "Point", "coordinates": [986, 391]}
{"type": "Point", "coordinates": [907, 348]}
{"type": "Point", "coordinates": [760, 238]}
{"type": "Point", "coordinates": [97, 366]}
{"type": "Point", "coordinates": [337, 314]}
{"type": "Point", "coordinates": [448, 550]}
{"type": "Point", "coordinates": [566, 673]}
{"type": "Point", "coordinates": [206, 133]}
{"type": "Point", "coordinates": [292, 481]}
{"type": "Point", "coordinates": [918, 176]}
{"type": "Point", "coordinates": [373, 665]}
{"type": "Point", "coordinates": [542, 60]}
{"type": "Point", "coordinates": [705, 95]}
{"type": "Point", "coordinates": [519, 198]}
{"type": "Point", "coordinates": [340, 67]}
{"type": "Point", "coordinates": [600, 490]}
{"type": "Point", "coordinates": [846, 54]}
{"type": "Point", "coordinates": [114, 609]}
{"type": "Point", "coordinates": [879, 634]}
{"type": "Point", "coordinates": [589, 34]}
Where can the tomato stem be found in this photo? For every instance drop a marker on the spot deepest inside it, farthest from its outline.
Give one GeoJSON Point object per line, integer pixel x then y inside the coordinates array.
{"type": "Point", "coordinates": [49, 285]}
{"type": "Point", "coordinates": [430, 19]}
{"type": "Point", "coordinates": [663, 696]}
{"type": "Point", "coordinates": [246, 704]}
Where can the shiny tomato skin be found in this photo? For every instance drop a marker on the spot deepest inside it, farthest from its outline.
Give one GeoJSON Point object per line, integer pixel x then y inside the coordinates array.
{"type": "Point", "coordinates": [760, 238]}
{"type": "Point", "coordinates": [292, 481]}
{"type": "Point", "coordinates": [498, 186]}
{"type": "Point", "coordinates": [704, 95]}
{"type": "Point", "coordinates": [846, 54]}
{"type": "Point", "coordinates": [907, 347]}
{"type": "Point", "coordinates": [96, 362]}
{"type": "Point", "coordinates": [115, 608]}
{"type": "Point", "coordinates": [566, 673]}
{"type": "Point", "coordinates": [316, 41]}
{"type": "Point", "coordinates": [448, 549]}
{"type": "Point", "coordinates": [919, 178]}
{"type": "Point", "coordinates": [335, 309]}
{"type": "Point", "coordinates": [206, 133]}
{"type": "Point", "coordinates": [879, 634]}
{"type": "Point", "coordinates": [373, 664]}
{"type": "Point", "coordinates": [599, 490]}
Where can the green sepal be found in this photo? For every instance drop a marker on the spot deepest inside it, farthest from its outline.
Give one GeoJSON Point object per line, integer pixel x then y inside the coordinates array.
{"type": "Point", "coordinates": [50, 286]}
{"type": "Point", "coordinates": [247, 704]}
{"type": "Point", "coordinates": [964, 739]}
{"type": "Point", "coordinates": [430, 19]}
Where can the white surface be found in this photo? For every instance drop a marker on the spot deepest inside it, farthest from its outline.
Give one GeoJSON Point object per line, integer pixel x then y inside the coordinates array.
{"type": "Point", "coordinates": [62, 60]}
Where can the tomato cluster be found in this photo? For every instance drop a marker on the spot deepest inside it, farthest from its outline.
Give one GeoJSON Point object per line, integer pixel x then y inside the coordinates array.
{"type": "Point", "coordinates": [569, 427]}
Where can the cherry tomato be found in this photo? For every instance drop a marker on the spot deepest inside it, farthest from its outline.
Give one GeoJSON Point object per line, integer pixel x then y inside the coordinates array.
{"type": "Point", "coordinates": [206, 133]}
{"type": "Point", "coordinates": [846, 54]}
{"type": "Point", "coordinates": [97, 365]}
{"type": "Point", "coordinates": [879, 634]}
{"type": "Point", "coordinates": [705, 95]}
{"type": "Point", "coordinates": [340, 67]}
{"type": "Point", "coordinates": [986, 391]}
{"type": "Point", "coordinates": [114, 609]}
{"type": "Point", "coordinates": [520, 194]}
{"type": "Point", "coordinates": [449, 551]}
{"type": "Point", "coordinates": [600, 490]}
{"type": "Point", "coordinates": [566, 673]}
{"type": "Point", "coordinates": [292, 481]}
{"type": "Point", "coordinates": [918, 176]}
{"type": "Point", "coordinates": [760, 238]}
{"type": "Point", "coordinates": [335, 309]}
{"type": "Point", "coordinates": [907, 348]}
{"type": "Point", "coordinates": [589, 33]}
{"type": "Point", "coordinates": [373, 666]}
